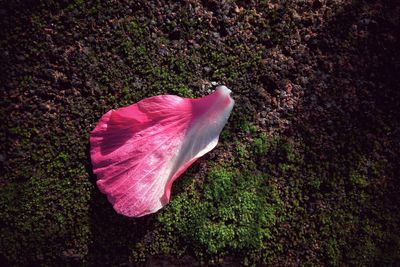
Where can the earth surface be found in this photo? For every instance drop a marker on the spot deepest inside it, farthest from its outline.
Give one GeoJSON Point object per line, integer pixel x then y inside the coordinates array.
{"type": "Point", "coordinates": [306, 171]}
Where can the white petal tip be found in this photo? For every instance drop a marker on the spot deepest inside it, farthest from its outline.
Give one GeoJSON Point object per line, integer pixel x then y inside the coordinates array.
{"type": "Point", "coordinates": [224, 90]}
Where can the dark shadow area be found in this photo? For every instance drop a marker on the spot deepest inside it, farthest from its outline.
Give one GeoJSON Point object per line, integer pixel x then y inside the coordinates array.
{"type": "Point", "coordinates": [113, 235]}
{"type": "Point", "coordinates": [349, 122]}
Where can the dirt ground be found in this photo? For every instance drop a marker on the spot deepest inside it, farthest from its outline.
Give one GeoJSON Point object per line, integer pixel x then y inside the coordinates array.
{"type": "Point", "coordinates": [306, 171]}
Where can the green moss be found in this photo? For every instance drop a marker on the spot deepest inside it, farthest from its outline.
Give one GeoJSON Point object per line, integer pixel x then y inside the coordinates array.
{"type": "Point", "coordinates": [358, 180]}
{"type": "Point", "coordinates": [135, 30]}
{"type": "Point", "coordinates": [236, 212]}
{"type": "Point", "coordinates": [241, 150]}
{"type": "Point", "coordinates": [248, 127]}
{"type": "Point", "coordinates": [183, 91]}
{"type": "Point", "coordinates": [333, 252]}
{"type": "Point", "coordinates": [260, 145]}
{"type": "Point", "coordinates": [80, 4]}
{"type": "Point", "coordinates": [25, 81]}
{"type": "Point", "coordinates": [135, 53]}
{"type": "Point", "coordinates": [37, 214]}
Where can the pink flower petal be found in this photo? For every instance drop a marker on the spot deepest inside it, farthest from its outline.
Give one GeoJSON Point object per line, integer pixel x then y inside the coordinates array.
{"type": "Point", "coordinates": [138, 151]}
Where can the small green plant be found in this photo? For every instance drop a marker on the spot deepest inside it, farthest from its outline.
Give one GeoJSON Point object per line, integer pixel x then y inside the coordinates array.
{"type": "Point", "coordinates": [248, 127]}
{"type": "Point", "coordinates": [235, 212]}
{"type": "Point", "coordinates": [135, 30]}
{"type": "Point", "coordinates": [333, 252]}
{"type": "Point", "coordinates": [183, 91]}
{"type": "Point", "coordinates": [241, 150]}
{"type": "Point", "coordinates": [260, 144]}
{"type": "Point", "coordinates": [358, 180]}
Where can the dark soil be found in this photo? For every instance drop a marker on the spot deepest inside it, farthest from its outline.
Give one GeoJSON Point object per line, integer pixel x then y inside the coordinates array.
{"type": "Point", "coordinates": [313, 140]}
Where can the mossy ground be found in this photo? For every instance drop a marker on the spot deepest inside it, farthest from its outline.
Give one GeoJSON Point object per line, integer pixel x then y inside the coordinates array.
{"type": "Point", "coordinates": [306, 168]}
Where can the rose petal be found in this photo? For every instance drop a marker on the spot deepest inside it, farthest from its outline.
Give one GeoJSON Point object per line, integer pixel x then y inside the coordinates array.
{"type": "Point", "coordinates": [138, 151]}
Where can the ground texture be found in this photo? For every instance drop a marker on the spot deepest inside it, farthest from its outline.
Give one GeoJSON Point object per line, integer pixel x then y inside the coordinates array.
{"type": "Point", "coordinates": [306, 171]}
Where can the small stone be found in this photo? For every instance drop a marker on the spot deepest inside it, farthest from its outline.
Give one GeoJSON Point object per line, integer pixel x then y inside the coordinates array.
{"type": "Point", "coordinates": [207, 69]}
